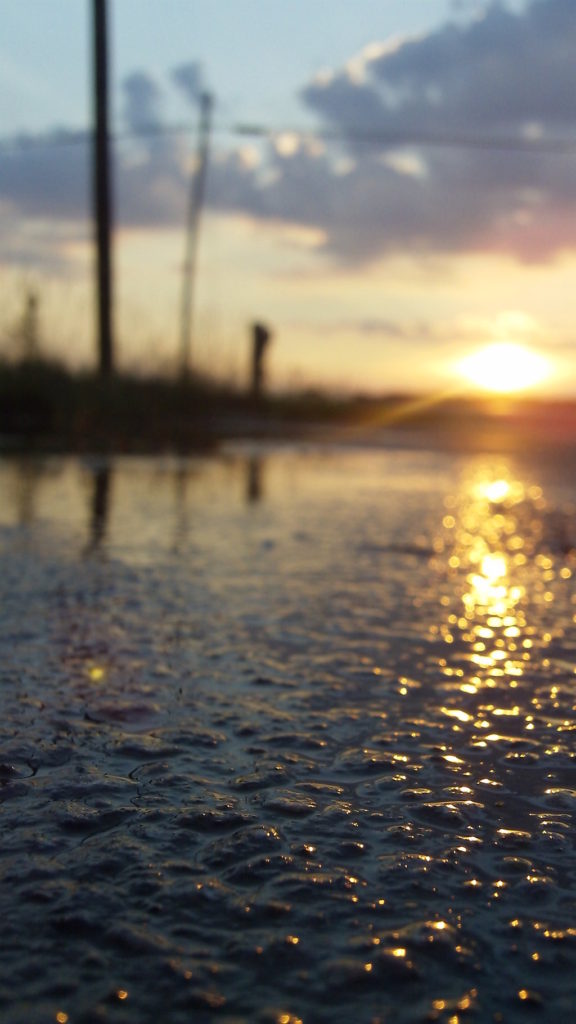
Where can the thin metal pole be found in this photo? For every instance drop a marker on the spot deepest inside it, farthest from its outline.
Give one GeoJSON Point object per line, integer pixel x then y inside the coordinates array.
{"type": "Point", "coordinates": [197, 188]}
{"type": "Point", "coordinates": [102, 192]}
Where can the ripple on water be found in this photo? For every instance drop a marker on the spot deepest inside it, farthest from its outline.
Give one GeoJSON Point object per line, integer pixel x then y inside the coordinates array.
{"type": "Point", "coordinates": [291, 804]}
{"type": "Point", "coordinates": [130, 715]}
{"type": "Point", "coordinates": [262, 784]}
{"type": "Point", "coordinates": [217, 819]}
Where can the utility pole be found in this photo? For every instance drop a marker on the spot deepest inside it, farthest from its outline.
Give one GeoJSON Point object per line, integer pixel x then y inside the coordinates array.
{"type": "Point", "coordinates": [102, 192]}
{"type": "Point", "coordinates": [197, 187]}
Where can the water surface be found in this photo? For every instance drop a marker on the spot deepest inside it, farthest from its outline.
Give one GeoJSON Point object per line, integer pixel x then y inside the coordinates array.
{"type": "Point", "coordinates": [288, 735]}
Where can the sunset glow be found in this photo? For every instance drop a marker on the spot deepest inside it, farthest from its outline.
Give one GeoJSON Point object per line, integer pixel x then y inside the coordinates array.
{"type": "Point", "coordinates": [505, 367]}
{"type": "Point", "coordinates": [379, 268]}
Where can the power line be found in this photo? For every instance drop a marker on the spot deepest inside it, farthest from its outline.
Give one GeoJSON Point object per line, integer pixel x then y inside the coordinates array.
{"type": "Point", "coordinates": [83, 137]}
{"type": "Point", "coordinates": [415, 138]}
{"type": "Point", "coordinates": [419, 138]}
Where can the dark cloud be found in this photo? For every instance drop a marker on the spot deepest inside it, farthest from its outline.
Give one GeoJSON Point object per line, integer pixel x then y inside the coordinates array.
{"type": "Point", "coordinates": [503, 70]}
{"type": "Point", "coordinates": [188, 78]}
{"type": "Point", "coordinates": [508, 76]}
{"type": "Point", "coordinates": [149, 171]}
{"type": "Point", "coordinates": [142, 103]}
{"type": "Point", "coordinates": [501, 74]}
{"type": "Point", "coordinates": [46, 176]}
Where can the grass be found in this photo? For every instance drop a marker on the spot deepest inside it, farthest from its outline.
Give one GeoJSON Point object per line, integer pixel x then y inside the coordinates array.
{"type": "Point", "coordinates": [46, 407]}
{"type": "Point", "coordinates": [43, 404]}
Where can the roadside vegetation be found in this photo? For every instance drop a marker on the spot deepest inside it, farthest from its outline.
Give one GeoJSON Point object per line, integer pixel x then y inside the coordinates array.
{"type": "Point", "coordinates": [46, 407]}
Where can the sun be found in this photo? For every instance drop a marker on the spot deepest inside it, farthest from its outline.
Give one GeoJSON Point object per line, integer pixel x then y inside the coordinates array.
{"type": "Point", "coordinates": [504, 367]}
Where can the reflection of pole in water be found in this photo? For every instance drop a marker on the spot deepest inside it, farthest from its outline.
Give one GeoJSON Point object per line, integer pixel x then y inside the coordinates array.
{"type": "Point", "coordinates": [29, 473]}
{"type": "Point", "coordinates": [254, 480]}
{"type": "Point", "coordinates": [181, 523]}
{"type": "Point", "coordinates": [100, 506]}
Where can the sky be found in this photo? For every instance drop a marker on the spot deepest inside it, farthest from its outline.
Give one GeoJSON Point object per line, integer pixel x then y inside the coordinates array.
{"type": "Point", "coordinates": [410, 197]}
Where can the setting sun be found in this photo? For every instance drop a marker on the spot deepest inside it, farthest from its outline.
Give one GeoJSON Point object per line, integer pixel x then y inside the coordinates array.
{"type": "Point", "coordinates": [505, 367]}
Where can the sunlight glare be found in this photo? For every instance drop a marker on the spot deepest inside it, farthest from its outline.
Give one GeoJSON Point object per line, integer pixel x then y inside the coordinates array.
{"type": "Point", "coordinates": [504, 367]}
{"type": "Point", "coordinates": [497, 490]}
{"type": "Point", "coordinates": [493, 567]}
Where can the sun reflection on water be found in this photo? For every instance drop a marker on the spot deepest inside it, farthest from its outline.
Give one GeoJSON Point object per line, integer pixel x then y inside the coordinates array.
{"type": "Point", "coordinates": [492, 534]}
{"type": "Point", "coordinates": [383, 739]}
{"type": "Point", "coordinates": [503, 559]}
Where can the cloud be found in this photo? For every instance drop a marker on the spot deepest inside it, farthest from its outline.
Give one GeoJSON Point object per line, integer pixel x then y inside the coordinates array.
{"type": "Point", "coordinates": [500, 73]}
{"type": "Point", "coordinates": [502, 70]}
{"type": "Point", "coordinates": [142, 102]}
{"type": "Point", "coordinates": [45, 176]}
{"type": "Point", "coordinates": [503, 75]}
{"type": "Point", "coordinates": [399, 330]}
{"type": "Point", "coordinates": [149, 169]}
{"type": "Point", "coordinates": [38, 244]}
{"type": "Point", "coordinates": [453, 332]}
{"type": "Point", "coordinates": [188, 78]}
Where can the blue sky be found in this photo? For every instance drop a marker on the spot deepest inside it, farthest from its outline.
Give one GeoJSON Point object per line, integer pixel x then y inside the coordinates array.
{"type": "Point", "coordinates": [241, 44]}
{"type": "Point", "coordinates": [378, 266]}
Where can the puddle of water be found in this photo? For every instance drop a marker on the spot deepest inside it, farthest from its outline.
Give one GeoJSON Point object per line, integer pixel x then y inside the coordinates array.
{"type": "Point", "coordinates": [287, 735]}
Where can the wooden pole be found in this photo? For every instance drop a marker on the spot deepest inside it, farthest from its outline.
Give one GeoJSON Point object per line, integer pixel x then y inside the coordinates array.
{"type": "Point", "coordinates": [102, 193]}
{"type": "Point", "coordinates": [261, 338]}
{"type": "Point", "coordinates": [197, 188]}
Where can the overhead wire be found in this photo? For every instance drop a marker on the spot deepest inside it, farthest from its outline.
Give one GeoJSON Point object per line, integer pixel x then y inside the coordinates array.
{"type": "Point", "coordinates": [414, 138]}
{"type": "Point", "coordinates": [417, 138]}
